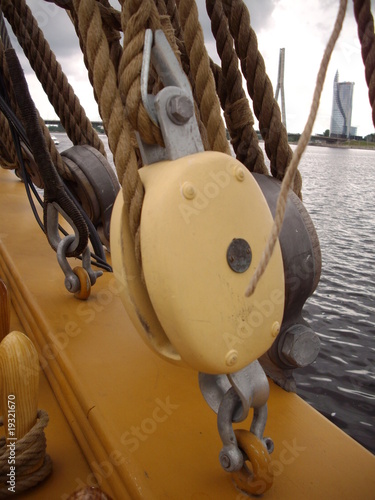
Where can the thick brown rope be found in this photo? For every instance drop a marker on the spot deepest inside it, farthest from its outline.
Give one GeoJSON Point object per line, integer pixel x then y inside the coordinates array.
{"type": "Point", "coordinates": [136, 17]}
{"type": "Point", "coordinates": [169, 9]}
{"type": "Point", "coordinates": [204, 87]}
{"type": "Point", "coordinates": [298, 152]}
{"type": "Point", "coordinates": [111, 110]}
{"type": "Point", "coordinates": [7, 137]}
{"type": "Point", "coordinates": [111, 25]}
{"type": "Point", "coordinates": [365, 22]}
{"type": "Point", "coordinates": [8, 155]}
{"type": "Point", "coordinates": [50, 74]}
{"type": "Point", "coordinates": [238, 115]}
{"type": "Point", "coordinates": [260, 90]}
{"type": "Point", "coordinates": [32, 464]}
{"type": "Point", "coordinates": [55, 155]}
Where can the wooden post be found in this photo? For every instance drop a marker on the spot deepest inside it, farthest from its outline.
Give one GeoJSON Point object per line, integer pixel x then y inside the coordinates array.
{"type": "Point", "coordinates": [19, 384]}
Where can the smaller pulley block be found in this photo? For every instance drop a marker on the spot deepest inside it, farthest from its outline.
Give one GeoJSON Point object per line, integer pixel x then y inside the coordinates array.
{"type": "Point", "coordinates": [94, 184]}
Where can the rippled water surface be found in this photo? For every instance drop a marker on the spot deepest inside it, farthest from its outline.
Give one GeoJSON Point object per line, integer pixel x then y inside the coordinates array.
{"type": "Point", "coordinates": [338, 191]}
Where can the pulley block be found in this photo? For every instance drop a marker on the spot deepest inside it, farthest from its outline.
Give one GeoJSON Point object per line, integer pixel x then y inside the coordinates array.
{"type": "Point", "coordinates": [204, 226]}
{"type": "Point", "coordinates": [94, 184]}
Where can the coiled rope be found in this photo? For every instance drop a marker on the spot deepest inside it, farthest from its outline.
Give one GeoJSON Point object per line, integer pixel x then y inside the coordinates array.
{"type": "Point", "coordinates": [32, 464]}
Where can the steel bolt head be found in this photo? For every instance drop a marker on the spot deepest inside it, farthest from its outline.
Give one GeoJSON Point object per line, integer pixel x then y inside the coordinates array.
{"type": "Point", "coordinates": [300, 346]}
{"type": "Point", "coordinates": [225, 461]}
{"type": "Point", "coordinates": [180, 109]}
{"type": "Point", "coordinates": [231, 458]}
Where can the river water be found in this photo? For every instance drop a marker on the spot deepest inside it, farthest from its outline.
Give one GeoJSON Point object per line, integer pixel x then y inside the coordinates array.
{"type": "Point", "coordinates": [338, 192]}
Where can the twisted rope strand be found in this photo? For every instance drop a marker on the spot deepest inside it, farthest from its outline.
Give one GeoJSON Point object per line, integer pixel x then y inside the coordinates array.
{"type": "Point", "coordinates": [365, 22]}
{"type": "Point", "coordinates": [136, 17]}
{"type": "Point", "coordinates": [4, 129]}
{"type": "Point", "coordinates": [50, 74]}
{"type": "Point", "coordinates": [237, 111]}
{"type": "Point", "coordinates": [302, 143]}
{"type": "Point", "coordinates": [204, 87]}
{"type": "Point", "coordinates": [260, 90]}
{"type": "Point", "coordinates": [111, 110]}
{"type": "Point", "coordinates": [8, 153]}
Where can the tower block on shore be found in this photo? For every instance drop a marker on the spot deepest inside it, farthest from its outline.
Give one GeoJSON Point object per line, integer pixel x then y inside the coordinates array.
{"type": "Point", "coordinates": [280, 85]}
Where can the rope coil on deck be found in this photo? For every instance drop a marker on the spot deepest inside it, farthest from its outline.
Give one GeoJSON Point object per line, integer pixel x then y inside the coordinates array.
{"type": "Point", "coordinates": [32, 464]}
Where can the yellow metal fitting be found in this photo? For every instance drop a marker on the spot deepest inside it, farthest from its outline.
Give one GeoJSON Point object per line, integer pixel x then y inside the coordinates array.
{"type": "Point", "coordinates": [258, 480]}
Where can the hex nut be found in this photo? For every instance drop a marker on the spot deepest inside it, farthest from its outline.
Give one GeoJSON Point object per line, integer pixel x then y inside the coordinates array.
{"type": "Point", "coordinates": [180, 109]}
{"type": "Point", "coordinates": [300, 346]}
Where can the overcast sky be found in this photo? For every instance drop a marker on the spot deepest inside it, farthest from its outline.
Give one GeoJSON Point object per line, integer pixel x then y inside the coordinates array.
{"type": "Point", "coordinates": [301, 27]}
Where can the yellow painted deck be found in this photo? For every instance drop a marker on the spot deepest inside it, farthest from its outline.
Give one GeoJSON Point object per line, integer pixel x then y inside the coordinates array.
{"type": "Point", "coordinates": [138, 422]}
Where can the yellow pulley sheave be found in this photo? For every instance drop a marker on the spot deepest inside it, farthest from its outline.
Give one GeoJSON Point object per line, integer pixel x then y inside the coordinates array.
{"type": "Point", "coordinates": [191, 307]}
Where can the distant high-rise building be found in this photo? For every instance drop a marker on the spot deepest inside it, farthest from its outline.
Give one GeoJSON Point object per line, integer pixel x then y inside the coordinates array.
{"type": "Point", "coordinates": [280, 85]}
{"type": "Point", "coordinates": [342, 105]}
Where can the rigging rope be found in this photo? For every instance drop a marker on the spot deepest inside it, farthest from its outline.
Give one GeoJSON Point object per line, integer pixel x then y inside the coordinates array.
{"type": "Point", "coordinates": [136, 17]}
{"type": "Point", "coordinates": [50, 74]}
{"type": "Point", "coordinates": [365, 22]}
{"type": "Point", "coordinates": [234, 102]}
{"type": "Point", "coordinates": [114, 71]}
{"type": "Point", "coordinates": [111, 110]}
{"type": "Point", "coordinates": [260, 90]}
{"type": "Point", "coordinates": [202, 75]}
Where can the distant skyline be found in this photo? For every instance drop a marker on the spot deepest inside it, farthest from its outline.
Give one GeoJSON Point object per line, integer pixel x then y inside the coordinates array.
{"type": "Point", "coordinates": [303, 28]}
